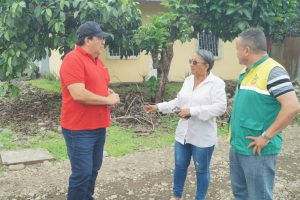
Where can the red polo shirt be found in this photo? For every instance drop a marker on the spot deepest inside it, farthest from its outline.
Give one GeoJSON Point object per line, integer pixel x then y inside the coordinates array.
{"type": "Point", "coordinates": [79, 67]}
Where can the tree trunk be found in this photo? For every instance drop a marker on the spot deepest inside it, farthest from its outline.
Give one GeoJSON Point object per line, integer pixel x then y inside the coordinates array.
{"type": "Point", "coordinates": [269, 45]}
{"type": "Point", "coordinates": [163, 67]}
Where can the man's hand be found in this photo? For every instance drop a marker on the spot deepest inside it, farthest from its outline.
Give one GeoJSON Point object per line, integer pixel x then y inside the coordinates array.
{"type": "Point", "coordinates": [110, 91]}
{"type": "Point", "coordinates": [113, 98]}
{"type": "Point", "coordinates": [258, 143]}
{"type": "Point", "coordinates": [150, 108]}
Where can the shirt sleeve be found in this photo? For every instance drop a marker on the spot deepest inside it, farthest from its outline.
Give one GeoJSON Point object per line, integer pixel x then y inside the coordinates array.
{"type": "Point", "coordinates": [216, 108]}
{"type": "Point", "coordinates": [72, 71]}
{"type": "Point", "coordinates": [279, 82]}
{"type": "Point", "coordinates": [168, 107]}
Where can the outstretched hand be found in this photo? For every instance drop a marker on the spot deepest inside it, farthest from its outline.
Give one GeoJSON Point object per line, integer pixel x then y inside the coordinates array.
{"type": "Point", "coordinates": [150, 108]}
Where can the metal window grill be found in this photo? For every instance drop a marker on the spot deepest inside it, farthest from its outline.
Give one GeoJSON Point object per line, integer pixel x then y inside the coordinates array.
{"type": "Point", "coordinates": [116, 52]}
{"type": "Point", "coordinates": [209, 42]}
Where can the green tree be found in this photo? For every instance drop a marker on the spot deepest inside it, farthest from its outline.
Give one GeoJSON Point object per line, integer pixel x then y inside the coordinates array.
{"type": "Point", "coordinates": [30, 29]}
{"type": "Point", "coordinates": [223, 18]}
{"type": "Point", "coordinates": [227, 18]}
{"type": "Point", "coordinates": [158, 37]}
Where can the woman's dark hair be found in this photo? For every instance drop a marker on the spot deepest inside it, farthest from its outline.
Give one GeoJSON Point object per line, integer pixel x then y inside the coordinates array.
{"type": "Point", "coordinates": [208, 58]}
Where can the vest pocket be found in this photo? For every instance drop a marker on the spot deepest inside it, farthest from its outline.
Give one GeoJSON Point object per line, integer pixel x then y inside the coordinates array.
{"type": "Point", "coordinates": [251, 127]}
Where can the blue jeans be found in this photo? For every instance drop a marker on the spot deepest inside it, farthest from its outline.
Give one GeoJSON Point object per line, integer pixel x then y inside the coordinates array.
{"type": "Point", "coordinates": [252, 177]}
{"type": "Point", "coordinates": [201, 157]}
{"type": "Point", "coordinates": [85, 151]}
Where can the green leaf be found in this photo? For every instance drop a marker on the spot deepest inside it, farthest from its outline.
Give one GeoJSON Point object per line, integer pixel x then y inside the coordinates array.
{"type": "Point", "coordinates": [76, 14]}
{"type": "Point", "coordinates": [57, 27]}
{"type": "Point", "coordinates": [6, 36]}
{"type": "Point", "coordinates": [9, 61]}
{"type": "Point", "coordinates": [22, 4]}
{"type": "Point", "coordinates": [91, 5]}
{"type": "Point", "coordinates": [231, 11]}
{"type": "Point", "coordinates": [75, 3]}
{"type": "Point", "coordinates": [14, 9]}
{"type": "Point", "coordinates": [49, 12]}
{"type": "Point", "coordinates": [62, 4]}
{"type": "Point", "coordinates": [11, 52]}
{"type": "Point", "coordinates": [247, 13]}
{"type": "Point", "coordinates": [37, 11]}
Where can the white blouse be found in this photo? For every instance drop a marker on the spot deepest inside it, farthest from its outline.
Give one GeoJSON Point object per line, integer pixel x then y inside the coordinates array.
{"type": "Point", "coordinates": [206, 102]}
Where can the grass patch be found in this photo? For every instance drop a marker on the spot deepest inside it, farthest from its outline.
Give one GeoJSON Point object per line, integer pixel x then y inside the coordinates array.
{"type": "Point", "coordinates": [122, 141]}
{"type": "Point", "coordinates": [47, 85]}
{"type": "Point", "coordinates": [172, 89]}
{"type": "Point", "coordinates": [223, 130]}
{"type": "Point", "coordinates": [52, 141]}
{"type": "Point", "coordinates": [7, 140]}
{"type": "Point", "coordinates": [2, 169]}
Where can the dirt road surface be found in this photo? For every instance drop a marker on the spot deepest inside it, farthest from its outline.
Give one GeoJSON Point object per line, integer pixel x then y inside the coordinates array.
{"type": "Point", "coordinates": [148, 176]}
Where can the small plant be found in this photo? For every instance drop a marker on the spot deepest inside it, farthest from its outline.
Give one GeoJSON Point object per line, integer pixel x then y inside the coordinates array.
{"type": "Point", "coordinates": [9, 89]}
{"type": "Point", "coordinates": [151, 87]}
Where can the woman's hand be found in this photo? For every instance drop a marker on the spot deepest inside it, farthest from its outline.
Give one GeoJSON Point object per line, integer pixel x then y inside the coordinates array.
{"type": "Point", "coordinates": [184, 113]}
{"type": "Point", "coordinates": [150, 108]}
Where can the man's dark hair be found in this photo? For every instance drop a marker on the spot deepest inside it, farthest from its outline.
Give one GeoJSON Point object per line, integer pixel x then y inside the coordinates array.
{"type": "Point", "coordinates": [80, 41]}
{"type": "Point", "coordinates": [255, 39]}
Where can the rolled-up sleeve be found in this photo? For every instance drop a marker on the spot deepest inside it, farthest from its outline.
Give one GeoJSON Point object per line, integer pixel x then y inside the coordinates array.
{"type": "Point", "coordinates": [217, 106]}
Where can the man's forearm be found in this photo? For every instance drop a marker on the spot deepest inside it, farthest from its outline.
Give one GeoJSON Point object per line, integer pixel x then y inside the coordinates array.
{"type": "Point", "coordinates": [284, 118]}
{"type": "Point", "coordinates": [87, 97]}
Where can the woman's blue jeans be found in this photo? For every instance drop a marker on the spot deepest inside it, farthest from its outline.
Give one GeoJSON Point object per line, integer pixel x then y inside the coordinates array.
{"type": "Point", "coordinates": [85, 151]}
{"type": "Point", "coordinates": [201, 157]}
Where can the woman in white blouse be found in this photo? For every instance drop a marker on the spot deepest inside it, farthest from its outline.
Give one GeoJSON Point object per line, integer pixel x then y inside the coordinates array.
{"type": "Point", "coordinates": [201, 99]}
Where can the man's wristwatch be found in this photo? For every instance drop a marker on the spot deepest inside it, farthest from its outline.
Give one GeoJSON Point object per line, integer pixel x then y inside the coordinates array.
{"type": "Point", "coordinates": [266, 136]}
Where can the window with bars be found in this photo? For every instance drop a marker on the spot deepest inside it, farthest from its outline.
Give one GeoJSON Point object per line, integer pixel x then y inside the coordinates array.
{"type": "Point", "coordinates": [209, 42]}
{"type": "Point", "coordinates": [114, 53]}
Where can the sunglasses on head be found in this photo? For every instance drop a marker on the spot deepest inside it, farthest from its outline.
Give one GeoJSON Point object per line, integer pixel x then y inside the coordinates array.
{"type": "Point", "coordinates": [195, 62]}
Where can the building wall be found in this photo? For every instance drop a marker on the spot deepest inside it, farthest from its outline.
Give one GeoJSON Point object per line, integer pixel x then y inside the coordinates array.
{"type": "Point", "coordinates": [134, 70]}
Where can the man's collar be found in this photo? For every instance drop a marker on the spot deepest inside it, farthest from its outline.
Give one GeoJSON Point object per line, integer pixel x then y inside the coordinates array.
{"type": "Point", "coordinates": [263, 59]}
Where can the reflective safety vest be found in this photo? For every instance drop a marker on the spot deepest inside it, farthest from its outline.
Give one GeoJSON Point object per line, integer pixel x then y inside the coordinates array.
{"type": "Point", "coordinates": [254, 108]}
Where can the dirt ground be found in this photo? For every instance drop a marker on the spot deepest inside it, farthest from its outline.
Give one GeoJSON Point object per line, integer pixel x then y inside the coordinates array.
{"type": "Point", "coordinates": [148, 176]}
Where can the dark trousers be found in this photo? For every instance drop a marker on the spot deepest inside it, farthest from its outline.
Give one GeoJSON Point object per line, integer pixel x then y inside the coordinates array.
{"type": "Point", "coordinates": [85, 151]}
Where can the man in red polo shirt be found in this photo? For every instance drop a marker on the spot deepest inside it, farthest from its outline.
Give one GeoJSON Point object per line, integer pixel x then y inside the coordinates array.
{"type": "Point", "coordinates": [85, 114]}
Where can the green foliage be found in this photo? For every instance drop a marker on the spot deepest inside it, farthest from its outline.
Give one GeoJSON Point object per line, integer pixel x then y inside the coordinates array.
{"type": "Point", "coordinates": [7, 140]}
{"type": "Point", "coordinates": [123, 141]}
{"type": "Point", "coordinates": [29, 29]}
{"type": "Point", "coordinates": [47, 85]}
{"type": "Point", "coordinates": [172, 88]}
{"type": "Point", "coordinates": [51, 141]}
{"type": "Point", "coordinates": [150, 87]}
{"type": "Point", "coordinates": [165, 28]}
{"type": "Point", "coordinates": [227, 18]}
{"type": "Point", "coordinates": [223, 129]}
{"type": "Point", "coordinates": [9, 88]}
